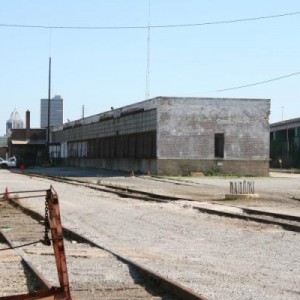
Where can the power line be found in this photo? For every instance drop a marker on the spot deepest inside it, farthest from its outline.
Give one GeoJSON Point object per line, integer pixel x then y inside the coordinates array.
{"type": "Point", "coordinates": [229, 21]}
{"type": "Point", "coordinates": [151, 26]}
{"type": "Point", "coordinates": [257, 83]}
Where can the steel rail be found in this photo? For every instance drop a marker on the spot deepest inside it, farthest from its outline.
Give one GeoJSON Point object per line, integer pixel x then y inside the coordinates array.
{"type": "Point", "coordinates": [270, 214]}
{"type": "Point", "coordinates": [248, 213]}
{"type": "Point", "coordinates": [117, 190]}
{"type": "Point", "coordinates": [169, 285]}
{"type": "Point", "coordinates": [286, 226]}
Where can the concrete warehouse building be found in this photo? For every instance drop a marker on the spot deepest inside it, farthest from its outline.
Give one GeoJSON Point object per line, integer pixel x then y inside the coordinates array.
{"type": "Point", "coordinates": [174, 136]}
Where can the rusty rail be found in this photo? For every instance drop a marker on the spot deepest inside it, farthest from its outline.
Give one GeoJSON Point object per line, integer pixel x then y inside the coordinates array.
{"type": "Point", "coordinates": [54, 221]}
{"type": "Point", "coordinates": [170, 286]}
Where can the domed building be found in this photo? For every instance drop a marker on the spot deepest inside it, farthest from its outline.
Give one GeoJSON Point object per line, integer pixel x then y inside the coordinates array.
{"type": "Point", "coordinates": [14, 122]}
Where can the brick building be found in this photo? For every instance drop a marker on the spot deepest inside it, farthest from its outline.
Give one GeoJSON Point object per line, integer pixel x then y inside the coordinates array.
{"type": "Point", "coordinates": [175, 136]}
{"type": "Point", "coordinates": [28, 145]}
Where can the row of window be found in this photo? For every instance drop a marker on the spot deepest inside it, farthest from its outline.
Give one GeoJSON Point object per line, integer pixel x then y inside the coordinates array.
{"type": "Point", "coordinates": [141, 145]}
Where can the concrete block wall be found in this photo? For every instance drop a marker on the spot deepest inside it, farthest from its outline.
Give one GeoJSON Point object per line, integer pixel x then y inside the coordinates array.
{"type": "Point", "coordinates": [185, 167]}
{"type": "Point", "coordinates": [143, 166]}
{"type": "Point", "coordinates": [186, 128]}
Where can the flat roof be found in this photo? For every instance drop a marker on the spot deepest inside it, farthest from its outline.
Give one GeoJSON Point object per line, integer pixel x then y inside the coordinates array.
{"type": "Point", "coordinates": [147, 104]}
{"type": "Point", "coordinates": [287, 124]}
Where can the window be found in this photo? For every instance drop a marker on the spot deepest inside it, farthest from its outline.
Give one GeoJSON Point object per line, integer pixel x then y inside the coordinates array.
{"type": "Point", "coordinates": [219, 145]}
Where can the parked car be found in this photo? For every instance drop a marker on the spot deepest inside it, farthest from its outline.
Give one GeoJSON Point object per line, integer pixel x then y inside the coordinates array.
{"type": "Point", "coordinates": [8, 163]}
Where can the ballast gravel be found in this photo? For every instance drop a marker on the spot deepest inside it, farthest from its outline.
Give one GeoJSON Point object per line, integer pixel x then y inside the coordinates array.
{"type": "Point", "coordinates": [219, 257]}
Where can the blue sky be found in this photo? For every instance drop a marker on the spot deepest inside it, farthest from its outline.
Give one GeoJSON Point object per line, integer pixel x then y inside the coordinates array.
{"type": "Point", "coordinates": [104, 68]}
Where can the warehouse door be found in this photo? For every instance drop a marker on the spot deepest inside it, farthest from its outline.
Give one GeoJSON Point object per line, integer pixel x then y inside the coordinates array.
{"type": "Point", "coordinates": [219, 145]}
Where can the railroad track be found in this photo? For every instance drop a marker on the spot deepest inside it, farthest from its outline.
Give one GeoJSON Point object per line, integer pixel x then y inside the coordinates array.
{"type": "Point", "coordinates": [94, 272]}
{"type": "Point", "coordinates": [287, 222]}
{"type": "Point", "coordinates": [19, 278]}
{"type": "Point", "coordinates": [19, 275]}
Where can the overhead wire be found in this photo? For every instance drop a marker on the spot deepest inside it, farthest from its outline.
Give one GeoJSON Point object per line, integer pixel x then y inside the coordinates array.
{"type": "Point", "coordinates": [152, 26]}
{"type": "Point", "coordinates": [258, 83]}
{"type": "Point", "coordinates": [148, 27]}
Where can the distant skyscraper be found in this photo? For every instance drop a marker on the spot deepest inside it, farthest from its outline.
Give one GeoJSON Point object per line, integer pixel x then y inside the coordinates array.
{"type": "Point", "coordinates": [14, 122]}
{"type": "Point", "coordinates": [56, 112]}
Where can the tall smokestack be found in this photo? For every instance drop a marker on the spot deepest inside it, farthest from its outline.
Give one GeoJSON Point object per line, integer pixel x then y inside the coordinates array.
{"type": "Point", "coordinates": [27, 124]}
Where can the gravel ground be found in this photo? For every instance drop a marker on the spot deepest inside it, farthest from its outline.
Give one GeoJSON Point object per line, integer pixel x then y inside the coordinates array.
{"type": "Point", "coordinates": [219, 257]}
{"type": "Point", "coordinates": [93, 273]}
{"type": "Point", "coordinates": [14, 281]}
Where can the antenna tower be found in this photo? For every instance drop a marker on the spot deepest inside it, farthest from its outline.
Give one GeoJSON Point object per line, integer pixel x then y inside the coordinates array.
{"type": "Point", "coordinates": [148, 54]}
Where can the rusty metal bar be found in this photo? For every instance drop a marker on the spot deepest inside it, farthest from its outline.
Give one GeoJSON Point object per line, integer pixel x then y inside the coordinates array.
{"type": "Point", "coordinates": [28, 197]}
{"type": "Point", "coordinates": [24, 192]}
{"type": "Point", "coordinates": [58, 241]}
{"type": "Point", "coordinates": [55, 292]}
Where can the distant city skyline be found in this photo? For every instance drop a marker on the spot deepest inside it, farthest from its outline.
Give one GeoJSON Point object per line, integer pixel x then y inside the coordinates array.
{"type": "Point", "coordinates": [15, 121]}
{"type": "Point", "coordinates": [105, 55]}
